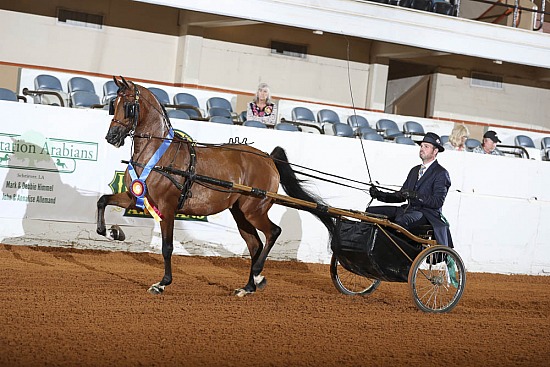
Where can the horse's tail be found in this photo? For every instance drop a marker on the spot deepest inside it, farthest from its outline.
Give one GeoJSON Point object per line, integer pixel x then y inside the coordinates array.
{"type": "Point", "coordinates": [293, 187]}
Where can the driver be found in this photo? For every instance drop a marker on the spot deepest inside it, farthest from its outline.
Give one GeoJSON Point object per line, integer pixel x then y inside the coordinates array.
{"type": "Point", "coordinates": [425, 190]}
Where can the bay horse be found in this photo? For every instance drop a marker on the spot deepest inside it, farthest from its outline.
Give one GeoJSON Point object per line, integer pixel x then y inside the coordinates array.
{"type": "Point", "coordinates": [163, 177]}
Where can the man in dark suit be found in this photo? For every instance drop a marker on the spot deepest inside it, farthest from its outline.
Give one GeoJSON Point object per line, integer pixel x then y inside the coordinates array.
{"type": "Point", "coordinates": [425, 190]}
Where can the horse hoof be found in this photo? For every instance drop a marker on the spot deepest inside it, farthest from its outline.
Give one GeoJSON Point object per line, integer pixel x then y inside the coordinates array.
{"type": "Point", "coordinates": [261, 282]}
{"type": "Point", "coordinates": [156, 289]}
{"type": "Point", "coordinates": [241, 292]}
{"type": "Point", "coordinates": [117, 233]}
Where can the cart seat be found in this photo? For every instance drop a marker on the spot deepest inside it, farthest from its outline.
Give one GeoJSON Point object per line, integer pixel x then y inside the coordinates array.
{"type": "Point", "coordinates": [425, 231]}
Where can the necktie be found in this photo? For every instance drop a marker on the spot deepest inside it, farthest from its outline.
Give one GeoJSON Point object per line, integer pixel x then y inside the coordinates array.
{"type": "Point", "coordinates": [421, 171]}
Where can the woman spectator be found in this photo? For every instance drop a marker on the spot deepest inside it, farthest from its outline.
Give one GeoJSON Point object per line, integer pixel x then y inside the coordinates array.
{"type": "Point", "coordinates": [457, 139]}
{"type": "Point", "coordinates": [262, 108]}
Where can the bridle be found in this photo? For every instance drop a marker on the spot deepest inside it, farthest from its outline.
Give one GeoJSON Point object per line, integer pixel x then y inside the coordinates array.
{"type": "Point", "coordinates": [131, 110]}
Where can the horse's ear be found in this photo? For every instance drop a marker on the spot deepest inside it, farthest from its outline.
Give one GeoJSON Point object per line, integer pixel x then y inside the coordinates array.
{"type": "Point", "coordinates": [118, 84]}
{"type": "Point", "coordinates": [125, 82]}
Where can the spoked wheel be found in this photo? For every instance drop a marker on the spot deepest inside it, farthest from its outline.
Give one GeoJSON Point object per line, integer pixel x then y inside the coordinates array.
{"type": "Point", "coordinates": [437, 279]}
{"type": "Point", "coordinates": [350, 283]}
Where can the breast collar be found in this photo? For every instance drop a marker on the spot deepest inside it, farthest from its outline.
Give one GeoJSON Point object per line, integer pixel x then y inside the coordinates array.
{"type": "Point", "coordinates": [138, 188]}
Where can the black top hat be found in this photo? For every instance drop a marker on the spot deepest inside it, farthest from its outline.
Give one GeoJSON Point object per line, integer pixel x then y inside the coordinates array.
{"type": "Point", "coordinates": [433, 139]}
{"type": "Point", "coordinates": [492, 135]}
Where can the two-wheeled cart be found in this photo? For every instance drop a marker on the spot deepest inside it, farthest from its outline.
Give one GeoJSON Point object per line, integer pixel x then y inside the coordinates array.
{"type": "Point", "coordinates": [369, 249]}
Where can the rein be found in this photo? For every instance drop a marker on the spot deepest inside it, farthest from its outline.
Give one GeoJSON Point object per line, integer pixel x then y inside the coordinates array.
{"type": "Point", "coordinates": [265, 155]}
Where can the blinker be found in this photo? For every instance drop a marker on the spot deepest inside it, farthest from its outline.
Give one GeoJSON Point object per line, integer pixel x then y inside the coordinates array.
{"type": "Point", "coordinates": [112, 106]}
{"type": "Point", "coordinates": [129, 110]}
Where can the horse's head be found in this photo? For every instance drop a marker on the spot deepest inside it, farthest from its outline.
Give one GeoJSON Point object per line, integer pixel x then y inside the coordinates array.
{"type": "Point", "coordinates": [125, 110]}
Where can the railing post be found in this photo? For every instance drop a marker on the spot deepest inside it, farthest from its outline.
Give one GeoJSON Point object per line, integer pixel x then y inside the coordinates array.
{"type": "Point", "coordinates": [516, 10]}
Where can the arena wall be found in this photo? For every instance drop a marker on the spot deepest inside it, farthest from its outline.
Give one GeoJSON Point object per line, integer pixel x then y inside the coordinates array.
{"type": "Point", "coordinates": [498, 207]}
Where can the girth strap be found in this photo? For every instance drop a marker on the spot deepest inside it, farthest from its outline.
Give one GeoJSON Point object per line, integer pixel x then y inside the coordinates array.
{"type": "Point", "coordinates": [191, 176]}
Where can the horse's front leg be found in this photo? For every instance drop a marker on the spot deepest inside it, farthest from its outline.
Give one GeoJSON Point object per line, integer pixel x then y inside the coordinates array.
{"type": "Point", "coordinates": [121, 199]}
{"type": "Point", "coordinates": [167, 232]}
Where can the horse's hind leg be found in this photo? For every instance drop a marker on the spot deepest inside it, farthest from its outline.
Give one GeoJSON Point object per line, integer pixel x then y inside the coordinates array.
{"type": "Point", "coordinates": [121, 199]}
{"type": "Point", "coordinates": [258, 252]}
{"type": "Point", "coordinates": [271, 232]}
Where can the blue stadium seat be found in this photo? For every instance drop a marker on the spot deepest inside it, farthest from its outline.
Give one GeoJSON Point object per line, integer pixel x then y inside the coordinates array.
{"type": "Point", "coordinates": [7, 95]}
{"type": "Point", "coordinates": [221, 120]}
{"type": "Point", "coordinates": [110, 90]}
{"type": "Point", "coordinates": [286, 126]}
{"type": "Point", "coordinates": [254, 123]}
{"type": "Point", "coordinates": [524, 141]}
{"type": "Point", "coordinates": [404, 140]}
{"type": "Point", "coordinates": [161, 95]}
{"type": "Point", "coordinates": [218, 102]}
{"type": "Point", "coordinates": [187, 99]}
{"type": "Point", "coordinates": [178, 114]}
{"type": "Point", "coordinates": [372, 136]}
{"type": "Point", "coordinates": [84, 99]}
{"type": "Point", "coordinates": [340, 129]}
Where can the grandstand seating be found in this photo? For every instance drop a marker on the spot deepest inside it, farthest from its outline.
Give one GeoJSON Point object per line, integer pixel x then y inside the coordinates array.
{"type": "Point", "coordinates": [218, 102]}
{"type": "Point", "coordinates": [358, 124]}
{"type": "Point", "coordinates": [302, 114]}
{"type": "Point", "coordinates": [286, 126]}
{"type": "Point", "coordinates": [413, 128]}
{"type": "Point", "coordinates": [391, 134]}
{"type": "Point", "coordinates": [79, 83]}
{"type": "Point", "coordinates": [221, 120]}
{"type": "Point", "coordinates": [7, 95]}
{"type": "Point", "coordinates": [327, 116]}
{"type": "Point", "coordinates": [187, 99]}
{"type": "Point", "coordinates": [444, 7]}
{"type": "Point", "coordinates": [471, 144]}
{"type": "Point", "coordinates": [365, 130]}
{"type": "Point", "coordinates": [425, 5]}
{"type": "Point", "coordinates": [404, 140]}
{"type": "Point", "coordinates": [384, 124]}
{"type": "Point", "coordinates": [161, 95]}
{"type": "Point", "coordinates": [341, 129]}
{"type": "Point", "coordinates": [84, 99]}
{"type": "Point", "coordinates": [178, 114]}
{"type": "Point", "coordinates": [82, 93]}
{"type": "Point", "coordinates": [372, 136]}
{"type": "Point", "coordinates": [110, 90]}
{"type": "Point", "coordinates": [545, 147]}
{"type": "Point", "coordinates": [357, 121]}
{"type": "Point", "coordinates": [219, 111]}
{"type": "Point", "coordinates": [254, 123]}
{"type": "Point", "coordinates": [524, 141]}
{"type": "Point", "coordinates": [303, 117]}
{"type": "Point", "coordinates": [49, 83]}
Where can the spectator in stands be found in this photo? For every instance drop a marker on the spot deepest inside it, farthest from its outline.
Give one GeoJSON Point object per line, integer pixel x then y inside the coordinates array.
{"type": "Point", "coordinates": [262, 107]}
{"type": "Point", "coordinates": [457, 139]}
{"type": "Point", "coordinates": [425, 190]}
{"type": "Point", "coordinates": [489, 145]}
